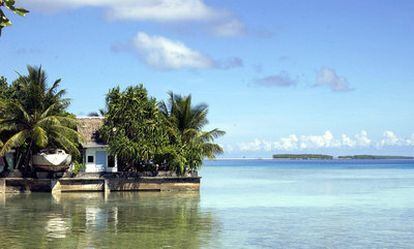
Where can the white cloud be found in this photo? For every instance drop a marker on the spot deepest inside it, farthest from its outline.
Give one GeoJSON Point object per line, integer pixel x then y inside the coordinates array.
{"type": "Point", "coordinates": [329, 78]}
{"type": "Point", "coordinates": [287, 143]}
{"type": "Point", "coordinates": [327, 140]}
{"type": "Point", "coordinates": [223, 22]}
{"type": "Point", "coordinates": [163, 53]}
{"type": "Point", "coordinates": [347, 141]}
{"type": "Point", "coordinates": [390, 139]}
{"type": "Point", "coordinates": [267, 145]}
{"type": "Point", "coordinates": [361, 139]}
{"type": "Point", "coordinates": [152, 10]}
{"type": "Point", "coordinates": [255, 145]}
{"type": "Point", "coordinates": [165, 10]}
{"type": "Point", "coordinates": [410, 141]}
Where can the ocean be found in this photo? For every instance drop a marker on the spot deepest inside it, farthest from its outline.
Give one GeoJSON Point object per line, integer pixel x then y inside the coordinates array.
{"type": "Point", "coordinates": [241, 204]}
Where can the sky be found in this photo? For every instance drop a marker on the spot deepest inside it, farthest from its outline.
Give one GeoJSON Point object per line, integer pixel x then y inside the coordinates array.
{"type": "Point", "coordinates": [294, 76]}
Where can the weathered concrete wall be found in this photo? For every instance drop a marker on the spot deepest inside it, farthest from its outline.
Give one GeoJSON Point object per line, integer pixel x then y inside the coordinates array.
{"type": "Point", "coordinates": [19, 185]}
{"type": "Point", "coordinates": [2, 185]}
{"type": "Point", "coordinates": [154, 184]}
{"type": "Point", "coordinates": [15, 185]}
{"type": "Point", "coordinates": [79, 185]}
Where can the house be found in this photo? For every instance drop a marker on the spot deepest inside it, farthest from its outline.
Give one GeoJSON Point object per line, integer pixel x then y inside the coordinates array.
{"type": "Point", "coordinates": [95, 152]}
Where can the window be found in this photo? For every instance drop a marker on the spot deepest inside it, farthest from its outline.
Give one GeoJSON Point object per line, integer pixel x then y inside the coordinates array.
{"type": "Point", "coordinates": [111, 161]}
{"type": "Point", "coordinates": [91, 159]}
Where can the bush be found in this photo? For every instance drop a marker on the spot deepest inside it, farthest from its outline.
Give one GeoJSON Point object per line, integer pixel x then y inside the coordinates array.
{"type": "Point", "coordinates": [78, 167]}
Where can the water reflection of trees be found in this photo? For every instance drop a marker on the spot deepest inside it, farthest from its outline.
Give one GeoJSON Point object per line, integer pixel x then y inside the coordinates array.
{"type": "Point", "coordinates": [96, 220]}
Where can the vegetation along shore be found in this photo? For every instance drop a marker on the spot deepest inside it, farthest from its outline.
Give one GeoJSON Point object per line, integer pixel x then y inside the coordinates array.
{"type": "Point", "coordinates": [329, 157]}
{"type": "Point", "coordinates": [135, 134]}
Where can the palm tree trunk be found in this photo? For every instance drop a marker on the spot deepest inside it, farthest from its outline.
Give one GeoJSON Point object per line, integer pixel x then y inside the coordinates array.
{"type": "Point", "coordinates": [18, 159]}
{"type": "Point", "coordinates": [27, 168]}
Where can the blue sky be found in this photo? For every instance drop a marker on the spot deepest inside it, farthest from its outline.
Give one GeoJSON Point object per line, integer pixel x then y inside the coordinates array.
{"type": "Point", "coordinates": [279, 76]}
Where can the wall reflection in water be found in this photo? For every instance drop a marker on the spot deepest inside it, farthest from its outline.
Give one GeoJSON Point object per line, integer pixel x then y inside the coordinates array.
{"type": "Point", "coordinates": [97, 220]}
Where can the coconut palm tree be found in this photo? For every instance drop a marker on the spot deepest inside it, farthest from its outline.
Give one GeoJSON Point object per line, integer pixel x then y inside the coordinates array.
{"type": "Point", "coordinates": [34, 94]}
{"type": "Point", "coordinates": [35, 117]}
{"type": "Point", "coordinates": [185, 123]}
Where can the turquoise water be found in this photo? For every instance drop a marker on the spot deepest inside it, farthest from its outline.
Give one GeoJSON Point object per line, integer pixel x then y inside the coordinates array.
{"type": "Point", "coordinates": [242, 204]}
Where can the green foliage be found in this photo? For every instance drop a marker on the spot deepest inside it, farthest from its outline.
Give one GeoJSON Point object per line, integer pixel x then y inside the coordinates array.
{"type": "Point", "coordinates": [5, 93]}
{"type": "Point", "coordinates": [170, 134]}
{"type": "Point", "coordinates": [133, 127]}
{"type": "Point", "coordinates": [34, 93]}
{"type": "Point", "coordinates": [78, 167]}
{"type": "Point", "coordinates": [185, 124]}
{"type": "Point", "coordinates": [4, 88]}
{"type": "Point", "coordinates": [10, 5]}
{"type": "Point", "coordinates": [34, 117]}
{"type": "Point", "coordinates": [302, 156]}
{"type": "Point", "coordinates": [374, 157]}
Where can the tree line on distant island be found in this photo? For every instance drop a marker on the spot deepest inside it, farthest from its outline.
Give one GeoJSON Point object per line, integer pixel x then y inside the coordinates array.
{"type": "Point", "coordinates": [143, 132]}
{"type": "Point", "coordinates": [329, 157]}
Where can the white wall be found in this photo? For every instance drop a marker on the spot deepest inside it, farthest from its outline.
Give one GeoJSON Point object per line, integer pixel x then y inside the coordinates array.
{"type": "Point", "coordinates": [93, 167]}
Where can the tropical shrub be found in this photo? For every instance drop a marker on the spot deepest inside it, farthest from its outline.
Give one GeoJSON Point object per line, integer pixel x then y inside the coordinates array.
{"type": "Point", "coordinates": [78, 167]}
{"type": "Point", "coordinates": [133, 128]}
{"type": "Point", "coordinates": [144, 134]}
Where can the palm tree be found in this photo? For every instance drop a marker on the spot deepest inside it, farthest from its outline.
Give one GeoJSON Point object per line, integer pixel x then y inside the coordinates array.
{"type": "Point", "coordinates": [34, 118]}
{"type": "Point", "coordinates": [33, 92]}
{"type": "Point", "coordinates": [185, 123]}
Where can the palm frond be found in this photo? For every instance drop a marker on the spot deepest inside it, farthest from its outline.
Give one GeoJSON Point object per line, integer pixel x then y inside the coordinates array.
{"type": "Point", "coordinates": [15, 141]}
{"type": "Point", "coordinates": [40, 137]}
{"type": "Point", "coordinates": [66, 144]}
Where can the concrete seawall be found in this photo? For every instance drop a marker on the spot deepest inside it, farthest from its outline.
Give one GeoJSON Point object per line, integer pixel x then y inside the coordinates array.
{"type": "Point", "coordinates": [21, 185]}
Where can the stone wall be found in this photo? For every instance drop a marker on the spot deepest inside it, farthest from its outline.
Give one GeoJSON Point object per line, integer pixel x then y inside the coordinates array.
{"type": "Point", "coordinates": [16, 185]}
{"type": "Point", "coordinates": [154, 184]}
{"type": "Point", "coordinates": [78, 185]}
{"type": "Point", "coordinates": [20, 185]}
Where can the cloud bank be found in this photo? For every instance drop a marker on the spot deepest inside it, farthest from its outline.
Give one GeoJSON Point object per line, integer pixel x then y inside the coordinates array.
{"type": "Point", "coordinates": [326, 140]}
{"type": "Point", "coordinates": [222, 22]}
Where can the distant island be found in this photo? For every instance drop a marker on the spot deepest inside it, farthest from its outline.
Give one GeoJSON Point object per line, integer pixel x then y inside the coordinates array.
{"type": "Point", "coordinates": [329, 157]}
{"type": "Point", "coordinates": [303, 156]}
{"type": "Point", "coordinates": [374, 157]}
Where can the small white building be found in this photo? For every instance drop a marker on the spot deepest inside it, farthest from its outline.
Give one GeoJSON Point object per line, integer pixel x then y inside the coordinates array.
{"type": "Point", "coordinates": [94, 152]}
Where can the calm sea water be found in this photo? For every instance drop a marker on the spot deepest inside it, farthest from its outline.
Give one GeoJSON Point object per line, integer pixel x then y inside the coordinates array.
{"type": "Point", "coordinates": [242, 204]}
